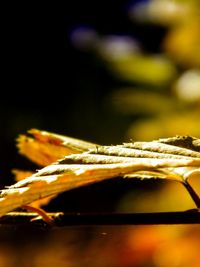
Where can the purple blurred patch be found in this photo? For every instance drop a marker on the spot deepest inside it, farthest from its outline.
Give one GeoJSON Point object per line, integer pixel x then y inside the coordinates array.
{"type": "Point", "coordinates": [83, 37]}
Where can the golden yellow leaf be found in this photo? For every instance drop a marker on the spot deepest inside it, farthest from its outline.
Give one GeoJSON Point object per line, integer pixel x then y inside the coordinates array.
{"type": "Point", "coordinates": [21, 175]}
{"type": "Point", "coordinates": [93, 164]}
{"type": "Point", "coordinates": [44, 148]}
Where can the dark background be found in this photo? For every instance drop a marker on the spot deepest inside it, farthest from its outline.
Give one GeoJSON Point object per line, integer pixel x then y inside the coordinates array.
{"type": "Point", "coordinates": [49, 84]}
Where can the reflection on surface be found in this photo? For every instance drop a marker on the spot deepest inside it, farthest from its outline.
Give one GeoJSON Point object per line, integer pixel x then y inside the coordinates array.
{"type": "Point", "coordinates": [113, 246]}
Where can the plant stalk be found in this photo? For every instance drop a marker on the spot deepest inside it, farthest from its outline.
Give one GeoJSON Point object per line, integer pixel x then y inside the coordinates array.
{"type": "Point", "coordinates": [192, 193]}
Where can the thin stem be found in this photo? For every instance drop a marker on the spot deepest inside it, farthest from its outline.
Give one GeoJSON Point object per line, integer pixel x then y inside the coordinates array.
{"type": "Point", "coordinates": [192, 193]}
{"type": "Point", "coordinates": [84, 219]}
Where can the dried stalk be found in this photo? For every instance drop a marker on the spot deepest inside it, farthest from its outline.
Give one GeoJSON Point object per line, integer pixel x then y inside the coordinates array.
{"type": "Point", "coordinates": [85, 219]}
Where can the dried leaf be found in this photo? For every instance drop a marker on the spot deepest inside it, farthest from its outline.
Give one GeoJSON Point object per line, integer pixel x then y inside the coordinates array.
{"type": "Point", "coordinates": [150, 160]}
{"type": "Point", "coordinates": [21, 175]}
{"type": "Point", "coordinates": [44, 148]}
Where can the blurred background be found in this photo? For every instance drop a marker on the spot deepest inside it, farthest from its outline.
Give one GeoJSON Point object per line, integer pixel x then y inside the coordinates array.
{"type": "Point", "coordinates": [107, 72]}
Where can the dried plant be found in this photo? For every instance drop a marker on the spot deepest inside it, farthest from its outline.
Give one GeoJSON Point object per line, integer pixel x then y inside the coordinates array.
{"type": "Point", "coordinates": [68, 163]}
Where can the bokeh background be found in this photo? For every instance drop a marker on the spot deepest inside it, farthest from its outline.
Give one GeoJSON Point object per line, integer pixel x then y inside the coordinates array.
{"type": "Point", "coordinates": [107, 72]}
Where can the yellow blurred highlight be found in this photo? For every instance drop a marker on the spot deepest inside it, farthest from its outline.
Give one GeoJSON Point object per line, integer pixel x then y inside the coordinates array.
{"type": "Point", "coordinates": [182, 43]}
{"type": "Point", "coordinates": [170, 12]}
{"type": "Point", "coordinates": [139, 101]}
{"type": "Point", "coordinates": [145, 69]}
{"type": "Point", "coordinates": [185, 123]}
{"type": "Point", "coordinates": [187, 87]}
{"type": "Point", "coordinates": [171, 196]}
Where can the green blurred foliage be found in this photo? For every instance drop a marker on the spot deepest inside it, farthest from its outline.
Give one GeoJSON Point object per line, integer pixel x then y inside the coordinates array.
{"type": "Point", "coordinates": [163, 92]}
